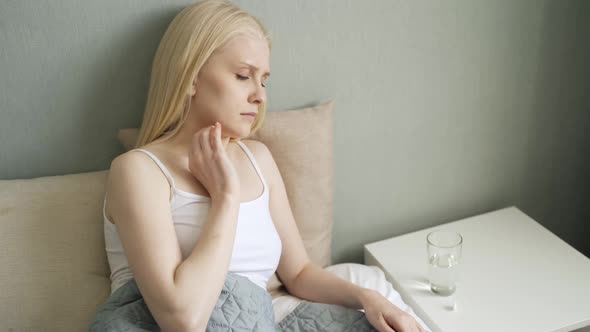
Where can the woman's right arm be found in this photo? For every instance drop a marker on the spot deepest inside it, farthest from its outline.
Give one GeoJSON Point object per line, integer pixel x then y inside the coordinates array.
{"type": "Point", "coordinates": [180, 294]}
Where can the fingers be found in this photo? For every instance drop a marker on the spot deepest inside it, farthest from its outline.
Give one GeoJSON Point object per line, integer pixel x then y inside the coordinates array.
{"type": "Point", "coordinates": [405, 323]}
{"type": "Point", "coordinates": [204, 141]}
{"type": "Point", "coordinates": [417, 327]}
{"type": "Point", "coordinates": [383, 326]}
{"type": "Point", "coordinates": [218, 143]}
{"type": "Point", "coordinates": [212, 141]}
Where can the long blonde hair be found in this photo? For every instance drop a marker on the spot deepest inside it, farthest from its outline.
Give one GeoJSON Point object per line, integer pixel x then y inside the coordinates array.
{"type": "Point", "coordinates": [192, 36]}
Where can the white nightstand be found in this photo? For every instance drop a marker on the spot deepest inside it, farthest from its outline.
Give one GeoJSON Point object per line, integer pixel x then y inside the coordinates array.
{"type": "Point", "coordinates": [515, 276]}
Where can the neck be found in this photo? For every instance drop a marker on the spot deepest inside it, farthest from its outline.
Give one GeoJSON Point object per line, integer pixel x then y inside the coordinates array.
{"type": "Point", "coordinates": [182, 140]}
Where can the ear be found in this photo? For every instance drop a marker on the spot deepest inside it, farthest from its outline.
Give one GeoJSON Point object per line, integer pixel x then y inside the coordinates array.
{"type": "Point", "coordinates": [193, 88]}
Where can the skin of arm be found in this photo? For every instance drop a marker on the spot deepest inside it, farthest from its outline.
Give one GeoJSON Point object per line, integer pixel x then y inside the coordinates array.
{"type": "Point", "coordinates": [308, 281]}
{"type": "Point", "coordinates": [180, 294]}
{"type": "Point", "coordinates": [300, 276]}
{"type": "Point", "coordinates": [209, 260]}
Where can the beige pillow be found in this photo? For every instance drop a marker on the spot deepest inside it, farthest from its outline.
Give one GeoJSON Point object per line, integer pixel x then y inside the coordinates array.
{"type": "Point", "coordinates": [300, 141]}
{"type": "Point", "coordinates": [53, 268]}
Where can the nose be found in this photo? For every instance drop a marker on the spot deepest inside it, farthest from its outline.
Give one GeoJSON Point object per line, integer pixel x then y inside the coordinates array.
{"type": "Point", "coordinates": [258, 96]}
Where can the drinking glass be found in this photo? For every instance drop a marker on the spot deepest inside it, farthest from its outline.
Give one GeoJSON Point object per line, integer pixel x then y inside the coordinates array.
{"type": "Point", "coordinates": [444, 255]}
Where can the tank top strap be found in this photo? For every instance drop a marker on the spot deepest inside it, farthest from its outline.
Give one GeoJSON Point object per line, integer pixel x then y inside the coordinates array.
{"type": "Point", "coordinates": [253, 162]}
{"type": "Point", "coordinates": [160, 165]}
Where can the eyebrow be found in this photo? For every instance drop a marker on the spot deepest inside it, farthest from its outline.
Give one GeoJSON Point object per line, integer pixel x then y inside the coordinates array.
{"type": "Point", "coordinates": [267, 74]}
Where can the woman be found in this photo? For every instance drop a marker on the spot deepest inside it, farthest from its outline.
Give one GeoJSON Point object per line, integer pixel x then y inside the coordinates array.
{"type": "Point", "coordinates": [193, 177]}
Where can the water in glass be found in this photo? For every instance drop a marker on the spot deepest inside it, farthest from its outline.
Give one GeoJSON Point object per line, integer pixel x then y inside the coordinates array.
{"type": "Point", "coordinates": [444, 272]}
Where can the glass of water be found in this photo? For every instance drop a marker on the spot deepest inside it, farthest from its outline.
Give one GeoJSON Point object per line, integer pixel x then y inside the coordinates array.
{"type": "Point", "coordinates": [444, 254]}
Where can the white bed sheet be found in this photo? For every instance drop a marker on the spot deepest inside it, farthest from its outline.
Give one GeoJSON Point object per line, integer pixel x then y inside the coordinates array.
{"type": "Point", "coordinates": [362, 275]}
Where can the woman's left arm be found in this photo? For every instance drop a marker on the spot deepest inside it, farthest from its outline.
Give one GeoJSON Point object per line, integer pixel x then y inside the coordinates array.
{"type": "Point", "coordinates": [306, 280]}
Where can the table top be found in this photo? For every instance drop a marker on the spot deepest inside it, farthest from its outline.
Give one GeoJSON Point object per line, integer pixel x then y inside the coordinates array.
{"type": "Point", "coordinates": [515, 275]}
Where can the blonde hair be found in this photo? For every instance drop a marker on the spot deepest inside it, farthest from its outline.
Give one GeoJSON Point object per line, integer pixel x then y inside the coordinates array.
{"type": "Point", "coordinates": [192, 36]}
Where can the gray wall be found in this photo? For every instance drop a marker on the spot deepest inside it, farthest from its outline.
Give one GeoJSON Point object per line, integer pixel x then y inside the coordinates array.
{"type": "Point", "coordinates": [444, 110]}
{"type": "Point", "coordinates": [555, 187]}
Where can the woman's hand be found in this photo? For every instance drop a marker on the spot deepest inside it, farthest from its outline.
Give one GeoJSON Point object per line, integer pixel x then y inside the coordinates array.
{"type": "Point", "coordinates": [209, 164]}
{"type": "Point", "coordinates": [385, 316]}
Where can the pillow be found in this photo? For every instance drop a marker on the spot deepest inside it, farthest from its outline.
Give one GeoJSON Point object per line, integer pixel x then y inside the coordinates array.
{"type": "Point", "coordinates": [300, 141]}
{"type": "Point", "coordinates": [53, 268]}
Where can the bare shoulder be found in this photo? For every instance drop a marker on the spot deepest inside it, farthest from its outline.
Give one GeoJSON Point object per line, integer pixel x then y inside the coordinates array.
{"type": "Point", "coordinates": [255, 145]}
{"type": "Point", "coordinates": [133, 164]}
{"type": "Point", "coordinates": [261, 153]}
{"type": "Point", "coordinates": [127, 160]}
{"type": "Point", "coordinates": [134, 174]}
{"type": "Point", "coordinates": [264, 159]}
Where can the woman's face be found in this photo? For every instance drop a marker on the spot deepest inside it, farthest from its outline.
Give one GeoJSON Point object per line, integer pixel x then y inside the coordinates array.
{"type": "Point", "coordinates": [230, 86]}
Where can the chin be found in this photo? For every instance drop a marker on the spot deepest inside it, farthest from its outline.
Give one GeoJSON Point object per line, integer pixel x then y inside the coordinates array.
{"type": "Point", "coordinates": [244, 134]}
{"type": "Point", "coordinates": [238, 132]}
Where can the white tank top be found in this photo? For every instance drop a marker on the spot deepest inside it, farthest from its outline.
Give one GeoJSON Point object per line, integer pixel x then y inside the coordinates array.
{"type": "Point", "coordinates": [257, 246]}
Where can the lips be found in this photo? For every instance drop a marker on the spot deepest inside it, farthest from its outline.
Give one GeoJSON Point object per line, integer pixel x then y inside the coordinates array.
{"type": "Point", "coordinates": [253, 114]}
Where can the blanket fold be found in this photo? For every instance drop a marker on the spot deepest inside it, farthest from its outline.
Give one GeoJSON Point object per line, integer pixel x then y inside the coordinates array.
{"type": "Point", "coordinates": [241, 306]}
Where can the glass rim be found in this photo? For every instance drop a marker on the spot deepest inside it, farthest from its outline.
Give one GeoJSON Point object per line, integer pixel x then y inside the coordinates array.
{"type": "Point", "coordinates": [444, 231]}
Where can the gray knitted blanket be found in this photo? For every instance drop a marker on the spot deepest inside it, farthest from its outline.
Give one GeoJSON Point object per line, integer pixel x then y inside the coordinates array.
{"type": "Point", "coordinates": [241, 306]}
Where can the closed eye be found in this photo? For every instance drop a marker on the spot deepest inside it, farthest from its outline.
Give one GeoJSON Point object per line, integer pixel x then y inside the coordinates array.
{"type": "Point", "coordinates": [243, 78]}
